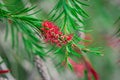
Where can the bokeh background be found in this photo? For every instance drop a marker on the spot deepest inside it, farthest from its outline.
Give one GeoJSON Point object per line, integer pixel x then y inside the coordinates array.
{"type": "Point", "coordinates": [103, 20]}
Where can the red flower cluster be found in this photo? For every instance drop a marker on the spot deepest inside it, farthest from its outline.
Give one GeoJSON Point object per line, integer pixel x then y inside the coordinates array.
{"type": "Point", "coordinates": [52, 34]}
{"type": "Point", "coordinates": [79, 69]}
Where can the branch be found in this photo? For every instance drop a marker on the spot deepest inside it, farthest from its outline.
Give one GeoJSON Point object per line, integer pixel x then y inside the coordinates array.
{"type": "Point", "coordinates": [42, 68]}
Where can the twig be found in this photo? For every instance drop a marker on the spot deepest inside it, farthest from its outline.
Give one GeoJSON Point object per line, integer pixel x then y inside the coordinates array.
{"type": "Point", "coordinates": [42, 68]}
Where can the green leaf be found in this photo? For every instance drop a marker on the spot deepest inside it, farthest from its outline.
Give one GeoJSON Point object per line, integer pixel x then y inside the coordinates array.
{"type": "Point", "coordinates": [50, 50]}
{"type": "Point", "coordinates": [58, 50]}
{"type": "Point", "coordinates": [38, 45]}
{"type": "Point", "coordinates": [26, 18]}
{"type": "Point", "coordinates": [81, 3]}
{"type": "Point", "coordinates": [67, 48]}
{"type": "Point", "coordinates": [25, 44]}
{"type": "Point", "coordinates": [85, 75]}
{"type": "Point", "coordinates": [12, 35]}
{"type": "Point", "coordinates": [80, 46]}
{"type": "Point", "coordinates": [72, 24]}
{"type": "Point", "coordinates": [7, 30]}
{"type": "Point", "coordinates": [80, 9]}
{"type": "Point", "coordinates": [25, 10]}
{"type": "Point", "coordinates": [57, 6]}
{"type": "Point", "coordinates": [59, 16]}
{"type": "Point", "coordinates": [65, 21]}
{"type": "Point", "coordinates": [41, 54]}
{"type": "Point", "coordinates": [76, 54]}
{"type": "Point", "coordinates": [94, 51]}
{"type": "Point", "coordinates": [69, 65]}
{"type": "Point", "coordinates": [34, 12]}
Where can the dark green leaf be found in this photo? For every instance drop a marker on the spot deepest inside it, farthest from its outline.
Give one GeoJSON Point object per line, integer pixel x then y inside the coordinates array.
{"type": "Point", "coordinates": [6, 32]}
{"type": "Point", "coordinates": [81, 3]}
{"type": "Point", "coordinates": [13, 35]}
{"type": "Point", "coordinates": [25, 10]}
{"type": "Point", "coordinates": [70, 66]}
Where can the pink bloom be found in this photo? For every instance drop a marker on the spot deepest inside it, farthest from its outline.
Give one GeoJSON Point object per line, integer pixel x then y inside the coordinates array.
{"type": "Point", "coordinates": [113, 42]}
{"type": "Point", "coordinates": [79, 69]}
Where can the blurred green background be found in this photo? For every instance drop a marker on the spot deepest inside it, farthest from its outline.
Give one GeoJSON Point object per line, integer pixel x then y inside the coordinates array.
{"type": "Point", "coordinates": [102, 16]}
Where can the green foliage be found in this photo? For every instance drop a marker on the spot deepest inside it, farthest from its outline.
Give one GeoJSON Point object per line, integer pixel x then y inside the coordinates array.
{"type": "Point", "coordinates": [68, 14]}
{"type": "Point", "coordinates": [20, 24]}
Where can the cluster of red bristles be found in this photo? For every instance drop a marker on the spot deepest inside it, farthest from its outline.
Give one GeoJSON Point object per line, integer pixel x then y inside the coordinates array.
{"type": "Point", "coordinates": [52, 34]}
